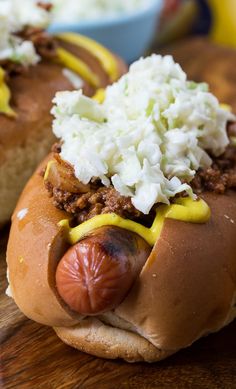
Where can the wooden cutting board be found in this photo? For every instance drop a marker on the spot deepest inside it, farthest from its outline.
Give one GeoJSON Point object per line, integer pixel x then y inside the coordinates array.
{"type": "Point", "coordinates": [33, 357]}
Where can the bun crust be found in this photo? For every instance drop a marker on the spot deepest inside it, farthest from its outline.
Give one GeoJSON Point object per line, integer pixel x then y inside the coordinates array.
{"type": "Point", "coordinates": [35, 246]}
{"type": "Point", "coordinates": [104, 341]}
{"type": "Point", "coordinates": [186, 289]}
{"type": "Point", "coordinates": [32, 93]}
{"type": "Point", "coordinates": [25, 140]}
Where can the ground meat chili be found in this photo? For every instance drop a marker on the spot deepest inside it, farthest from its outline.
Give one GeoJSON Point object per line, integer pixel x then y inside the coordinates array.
{"type": "Point", "coordinates": [95, 202]}
{"type": "Point", "coordinates": [47, 6]}
{"type": "Point", "coordinates": [44, 44]}
{"type": "Point", "coordinates": [218, 178]}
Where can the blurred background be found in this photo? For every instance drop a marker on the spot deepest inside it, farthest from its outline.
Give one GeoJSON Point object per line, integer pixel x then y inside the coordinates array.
{"type": "Point", "coordinates": [213, 18]}
{"type": "Point", "coordinates": [130, 27]}
{"type": "Point", "coordinates": [200, 34]}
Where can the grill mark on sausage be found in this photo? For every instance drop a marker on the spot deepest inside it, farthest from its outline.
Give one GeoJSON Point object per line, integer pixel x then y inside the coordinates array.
{"type": "Point", "coordinates": [112, 244]}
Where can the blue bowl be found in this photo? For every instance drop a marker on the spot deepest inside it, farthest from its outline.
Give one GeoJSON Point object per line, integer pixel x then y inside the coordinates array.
{"type": "Point", "coordinates": [128, 35]}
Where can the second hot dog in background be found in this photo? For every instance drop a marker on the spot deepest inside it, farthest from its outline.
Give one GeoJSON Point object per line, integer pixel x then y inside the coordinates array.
{"type": "Point", "coordinates": [132, 262]}
{"type": "Point", "coordinates": [33, 67]}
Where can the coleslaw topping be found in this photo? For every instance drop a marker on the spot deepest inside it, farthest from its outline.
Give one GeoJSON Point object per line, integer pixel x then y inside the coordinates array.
{"type": "Point", "coordinates": [15, 15]}
{"type": "Point", "coordinates": [148, 138]}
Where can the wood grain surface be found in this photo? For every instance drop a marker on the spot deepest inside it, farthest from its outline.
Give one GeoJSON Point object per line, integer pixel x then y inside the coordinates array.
{"type": "Point", "coordinates": [33, 357]}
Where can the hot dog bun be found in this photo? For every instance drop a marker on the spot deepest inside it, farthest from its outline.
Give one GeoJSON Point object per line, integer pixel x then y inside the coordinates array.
{"type": "Point", "coordinates": [105, 341]}
{"type": "Point", "coordinates": [30, 263]}
{"type": "Point", "coordinates": [186, 289]}
{"type": "Point", "coordinates": [26, 139]}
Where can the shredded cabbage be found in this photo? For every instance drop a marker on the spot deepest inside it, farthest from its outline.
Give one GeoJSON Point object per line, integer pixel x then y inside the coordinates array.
{"type": "Point", "coordinates": [14, 16]}
{"type": "Point", "coordinates": [150, 135]}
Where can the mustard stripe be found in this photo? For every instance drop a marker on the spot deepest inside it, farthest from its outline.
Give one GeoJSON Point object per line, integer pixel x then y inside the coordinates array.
{"type": "Point", "coordinates": [184, 209]}
{"type": "Point", "coordinates": [106, 59]}
{"type": "Point", "coordinates": [226, 107]}
{"type": "Point", "coordinates": [99, 95]}
{"type": "Point", "coordinates": [75, 64]}
{"type": "Point", "coordinates": [5, 96]}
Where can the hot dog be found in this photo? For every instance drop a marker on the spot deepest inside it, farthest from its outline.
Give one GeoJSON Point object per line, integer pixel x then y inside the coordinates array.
{"type": "Point", "coordinates": [33, 67]}
{"type": "Point", "coordinates": [136, 261]}
{"type": "Point", "coordinates": [123, 255]}
{"type": "Point", "coordinates": [90, 274]}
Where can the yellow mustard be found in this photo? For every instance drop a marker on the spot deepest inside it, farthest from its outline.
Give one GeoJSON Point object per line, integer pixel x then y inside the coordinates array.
{"type": "Point", "coordinates": [184, 209]}
{"type": "Point", "coordinates": [99, 95]}
{"type": "Point", "coordinates": [78, 66]}
{"type": "Point", "coordinates": [106, 59]}
{"type": "Point", "coordinates": [223, 29]}
{"type": "Point", "coordinates": [5, 96]}
{"type": "Point", "coordinates": [226, 107]}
